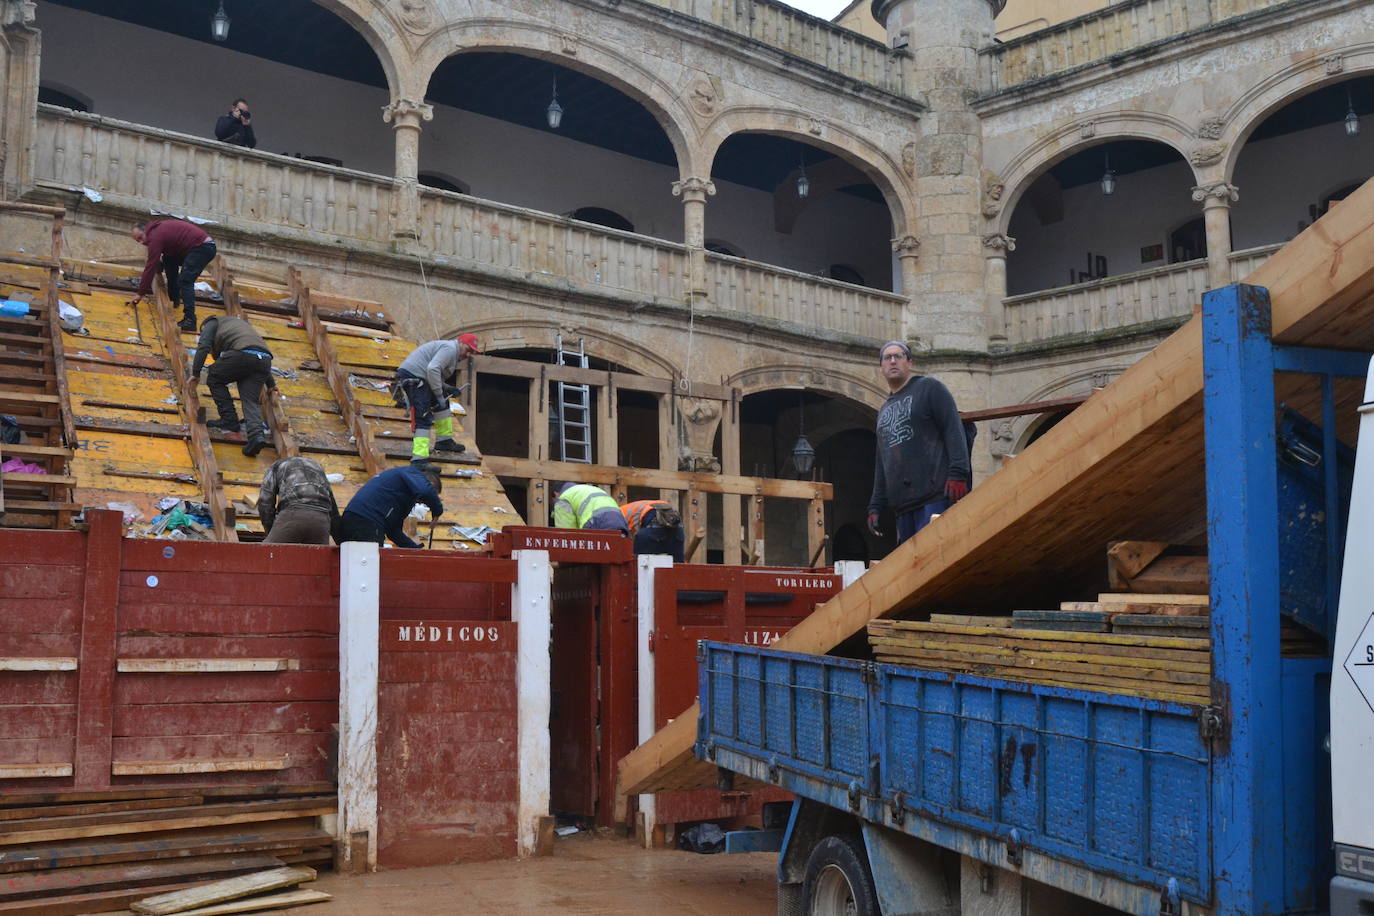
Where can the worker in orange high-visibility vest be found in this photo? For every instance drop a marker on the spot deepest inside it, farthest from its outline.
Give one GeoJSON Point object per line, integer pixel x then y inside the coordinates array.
{"type": "Point", "coordinates": [656, 527]}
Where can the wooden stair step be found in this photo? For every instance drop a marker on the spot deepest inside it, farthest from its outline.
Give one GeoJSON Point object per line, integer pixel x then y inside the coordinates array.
{"type": "Point", "coordinates": [34, 451]}
{"type": "Point", "coordinates": [48, 480]}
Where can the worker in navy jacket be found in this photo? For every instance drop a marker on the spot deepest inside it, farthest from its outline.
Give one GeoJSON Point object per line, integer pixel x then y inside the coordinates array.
{"type": "Point", "coordinates": [921, 467]}
{"type": "Point", "coordinates": [377, 511]}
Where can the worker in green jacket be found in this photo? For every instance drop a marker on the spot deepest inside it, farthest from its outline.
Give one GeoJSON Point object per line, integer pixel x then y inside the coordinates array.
{"type": "Point", "coordinates": [581, 505]}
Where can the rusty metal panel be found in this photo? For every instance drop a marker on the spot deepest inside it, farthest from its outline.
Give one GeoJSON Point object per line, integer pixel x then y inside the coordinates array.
{"type": "Point", "coordinates": [446, 741]}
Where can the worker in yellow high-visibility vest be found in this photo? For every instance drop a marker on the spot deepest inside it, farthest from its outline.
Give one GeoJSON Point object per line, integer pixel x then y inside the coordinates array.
{"type": "Point", "coordinates": [581, 505]}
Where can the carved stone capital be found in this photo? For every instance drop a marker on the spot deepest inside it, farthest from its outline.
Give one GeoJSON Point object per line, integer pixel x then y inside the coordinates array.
{"type": "Point", "coordinates": [407, 113]}
{"type": "Point", "coordinates": [999, 243]}
{"type": "Point", "coordinates": [1218, 194]}
{"type": "Point", "coordinates": [694, 188]}
{"type": "Point", "coordinates": [907, 246]}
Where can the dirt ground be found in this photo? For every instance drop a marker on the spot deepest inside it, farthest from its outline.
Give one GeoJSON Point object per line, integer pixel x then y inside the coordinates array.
{"type": "Point", "coordinates": [586, 874]}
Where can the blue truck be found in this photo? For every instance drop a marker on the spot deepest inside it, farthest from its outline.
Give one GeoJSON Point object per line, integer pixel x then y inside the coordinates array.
{"type": "Point", "coordinates": [924, 792]}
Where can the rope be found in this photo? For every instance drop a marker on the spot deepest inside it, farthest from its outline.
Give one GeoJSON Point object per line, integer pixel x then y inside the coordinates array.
{"type": "Point", "coordinates": [429, 300]}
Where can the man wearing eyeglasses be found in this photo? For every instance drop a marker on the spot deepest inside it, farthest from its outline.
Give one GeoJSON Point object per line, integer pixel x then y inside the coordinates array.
{"type": "Point", "coordinates": [922, 464]}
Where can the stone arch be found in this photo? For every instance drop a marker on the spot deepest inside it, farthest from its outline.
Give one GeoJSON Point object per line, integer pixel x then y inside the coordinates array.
{"type": "Point", "coordinates": [863, 392]}
{"type": "Point", "coordinates": [875, 162]}
{"type": "Point", "coordinates": [1251, 109]}
{"type": "Point", "coordinates": [1028, 165]}
{"type": "Point", "coordinates": [1080, 381]}
{"type": "Point", "coordinates": [600, 61]}
{"type": "Point", "coordinates": [379, 32]}
{"type": "Point", "coordinates": [600, 344]}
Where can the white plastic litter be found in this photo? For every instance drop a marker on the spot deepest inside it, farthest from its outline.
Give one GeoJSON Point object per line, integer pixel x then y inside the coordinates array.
{"type": "Point", "coordinates": [93, 195]}
{"type": "Point", "coordinates": [334, 478]}
{"type": "Point", "coordinates": [565, 831]}
{"type": "Point", "coordinates": [204, 287]}
{"type": "Point", "coordinates": [69, 316]}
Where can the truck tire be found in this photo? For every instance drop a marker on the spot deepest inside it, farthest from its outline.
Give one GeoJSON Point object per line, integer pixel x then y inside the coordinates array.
{"type": "Point", "coordinates": [791, 900]}
{"type": "Point", "coordinates": [838, 882]}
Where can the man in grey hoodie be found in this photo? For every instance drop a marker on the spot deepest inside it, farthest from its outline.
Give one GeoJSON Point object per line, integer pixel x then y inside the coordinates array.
{"type": "Point", "coordinates": [922, 464]}
{"type": "Point", "coordinates": [426, 380]}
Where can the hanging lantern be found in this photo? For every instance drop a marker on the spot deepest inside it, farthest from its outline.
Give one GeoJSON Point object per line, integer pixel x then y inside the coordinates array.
{"type": "Point", "coordinates": [219, 24]}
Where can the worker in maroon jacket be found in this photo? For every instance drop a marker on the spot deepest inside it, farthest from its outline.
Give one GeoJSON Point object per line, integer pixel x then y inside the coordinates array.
{"type": "Point", "coordinates": [184, 249]}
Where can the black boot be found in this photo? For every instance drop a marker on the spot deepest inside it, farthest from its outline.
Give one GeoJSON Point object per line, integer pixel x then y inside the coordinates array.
{"type": "Point", "coordinates": [255, 444]}
{"type": "Point", "coordinates": [228, 426]}
{"type": "Point", "coordinates": [448, 445]}
{"type": "Point", "coordinates": [188, 322]}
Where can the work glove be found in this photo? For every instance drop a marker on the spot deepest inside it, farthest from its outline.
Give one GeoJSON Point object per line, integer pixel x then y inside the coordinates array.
{"type": "Point", "coordinates": [873, 524]}
{"type": "Point", "coordinates": [955, 490]}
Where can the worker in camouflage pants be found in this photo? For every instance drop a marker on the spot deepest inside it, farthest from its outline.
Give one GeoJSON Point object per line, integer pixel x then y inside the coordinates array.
{"type": "Point", "coordinates": [296, 503]}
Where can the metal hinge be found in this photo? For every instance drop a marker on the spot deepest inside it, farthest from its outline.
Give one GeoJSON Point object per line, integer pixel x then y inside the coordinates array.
{"type": "Point", "coordinates": [1014, 847]}
{"type": "Point", "coordinates": [868, 673]}
{"type": "Point", "coordinates": [899, 809]}
{"type": "Point", "coordinates": [1169, 902]}
{"type": "Point", "coordinates": [1211, 722]}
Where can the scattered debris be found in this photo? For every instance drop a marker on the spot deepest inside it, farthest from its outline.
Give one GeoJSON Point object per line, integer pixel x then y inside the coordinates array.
{"type": "Point", "coordinates": [281, 372]}
{"type": "Point", "coordinates": [477, 533]}
{"type": "Point", "coordinates": [360, 382]}
{"type": "Point", "coordinates": [20, 466]}
{"type": "Point", "coordinates": [467, 473]}
{"type": "Point", "coordinates": [92, 195]}
{"type": "Point", "coordinates": [565, 831]}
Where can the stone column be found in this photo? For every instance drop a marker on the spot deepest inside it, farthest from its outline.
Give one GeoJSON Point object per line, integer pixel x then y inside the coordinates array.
{"type": "Point", "coordinates": [19, 56]}
{"type": "Point", "coordinates": [694, 192]}
{"type": "Point", "coordinates": [406, 116]}
{"type": "Point", "coordinates": [908, 251]}
{"type": "Point", "coordinates": [945, 153]}
{"type": "Point", "coordinates": [995, 248]}
{"type": "Point", "coordinates": [1216, 202]}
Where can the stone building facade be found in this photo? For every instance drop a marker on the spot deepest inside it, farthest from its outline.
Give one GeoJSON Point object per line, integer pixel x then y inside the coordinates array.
{"type": "Point", "coordinates": [952, 181]}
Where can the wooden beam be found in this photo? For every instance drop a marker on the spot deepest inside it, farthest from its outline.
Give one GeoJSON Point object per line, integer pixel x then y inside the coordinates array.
{"type": "Point", "coordinates": [676, 481]}
{"type": "Point", "coordinates": [219, 891]}
{"type": "Point", "coordinates": [597, 378]}
{"type": "Point", "coordinates": [202, 451]}
{"type": "Point", "coordinates": [1129, 458]}
{"type": "Point", "coordinates": [1021, 410]}
{"type": "Point", "coordinates": [358, 428]}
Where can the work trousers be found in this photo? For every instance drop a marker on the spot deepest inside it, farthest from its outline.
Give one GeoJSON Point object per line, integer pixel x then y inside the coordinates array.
{"type": "Point", "coordinates": [655, 539]}
{"type": "Point", "coordinates": [301, 525]}
{"type": "Point", "coordinates": [908, 523]}
{"type": "Point", "coordinates": [252, 373]}
{"type": "Point", "coordinates": [182, 274]}
{"type": "Point", "coordinates": [353, 527]}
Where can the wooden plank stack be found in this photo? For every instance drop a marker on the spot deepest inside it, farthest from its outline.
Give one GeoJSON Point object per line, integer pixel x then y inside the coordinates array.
{"type": "Point", "coordinates": [1157, 667]}
{"type": "Point", "coordinates": [72, 852]}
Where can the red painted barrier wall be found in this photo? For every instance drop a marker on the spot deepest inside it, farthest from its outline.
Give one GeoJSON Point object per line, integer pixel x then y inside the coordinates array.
{"type": "Point", "coordinates": [111, 602]}
{"type": "Point", "coordinates": [750, 605]}
{"type": "Point", "coordinates": [447, 711]}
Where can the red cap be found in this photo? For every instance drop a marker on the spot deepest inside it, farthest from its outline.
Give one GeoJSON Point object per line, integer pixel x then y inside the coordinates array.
{"type": "Point", "coordinates": [471, 342]}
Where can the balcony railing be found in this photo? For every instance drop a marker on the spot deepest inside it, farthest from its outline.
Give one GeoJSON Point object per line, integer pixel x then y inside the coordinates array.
{"type": "Point", "coordinates": [1120, 27]}
{"type": "Point", "coordinates": [856, 56]}
{"type": "Point", "coordinates": [143, 167]}
{"type": "Point", "coordinates": [1117, 302]}
{"type": "Point", "coordinates": [543, 246]}
{"type": "Point", "coordinates": [182, 173]}
{"type": "Point", "coordinates": [801, 299]}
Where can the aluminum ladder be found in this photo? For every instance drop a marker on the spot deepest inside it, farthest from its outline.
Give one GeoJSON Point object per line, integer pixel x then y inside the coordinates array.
{"type": "Point", "coordinates": [574, 408]}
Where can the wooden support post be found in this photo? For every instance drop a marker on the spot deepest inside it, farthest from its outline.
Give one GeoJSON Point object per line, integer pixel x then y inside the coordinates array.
{"type": "Point", "coordinates": [667, 444]}
{"type": "Point", "coordinates": [373, 460]}
{"type": "Point", "coordinates": [756, 524]}
{"type": "Point", "coordinates": [539, 503]}
{"type": "Point", "coordinates": [815, 530]}
{"type": "Point", "coordinates": [59, 372]}
{"type": "Point", "coordinates": [731, 518]}
{"type": "Point", "coordinates": [202, 450]}
{"type": "Point", "coordinates": [94, 743]}
{"type": "Point", "coordinates": [607, 432]}
{"type": "Point", "coordinates": [694, 522]}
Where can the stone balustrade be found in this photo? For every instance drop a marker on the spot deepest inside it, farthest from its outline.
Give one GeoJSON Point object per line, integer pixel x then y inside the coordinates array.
{"type": "Point", "coordinates": [1117, 302]}
{"type": "Point", "coordinates": [802, 300]}
{"type": "Point", "coordinates": [1116, 29]}
{"type": "Point", "coordinates": [138, 165]}
{"type": "Point", "coordinates": [142, 167]}
{"type": "Point", "coordinates": [541, 246]}
{"type": "Point", "coordinates": [849, 53]}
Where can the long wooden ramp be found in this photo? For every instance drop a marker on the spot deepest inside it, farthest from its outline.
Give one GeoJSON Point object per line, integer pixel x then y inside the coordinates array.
{"type": "Point", "coordinates": [1128, 463]}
